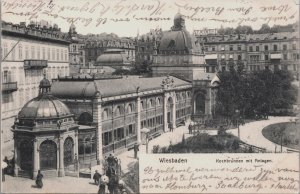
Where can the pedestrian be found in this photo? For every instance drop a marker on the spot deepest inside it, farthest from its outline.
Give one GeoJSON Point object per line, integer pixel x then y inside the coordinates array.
{"type": "Point", "coordinates": [111, 184]}
{"type": "Point", "coordinates": [135, 149]}
{"type": "Point", "coordinates": [190, 128]}
{"type": "Point", "coordinates": [102, 186]}
{"type": "Point", "coordinates": [96, 177]}
{"type": "Point", "coordinates": [171, 127]}
{"type": "Point", "coordinates": [39, 179]}
{"type": "Point", "coordinates": [3, 175]}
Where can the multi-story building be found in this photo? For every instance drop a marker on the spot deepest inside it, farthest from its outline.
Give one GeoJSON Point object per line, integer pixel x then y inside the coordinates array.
{"type": "Point", "coordinates": [27, 52]}
{"type": "Point", "coordinates": [96, 45]}
{"type": "Point", "coordinates": [76, 50]}
{"type": "Point", "coordinates": [254, 51]}
{"type": "Point", "coordinates": [146, 46]}
{"type": "Point", "coordinates": [180, 54]}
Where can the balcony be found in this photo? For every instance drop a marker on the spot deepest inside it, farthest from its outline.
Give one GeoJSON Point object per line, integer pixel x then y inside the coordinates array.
{"type": "Point", "coordinates": [35, 64]}
{"type": "Point", "coordinates": [9, 87]}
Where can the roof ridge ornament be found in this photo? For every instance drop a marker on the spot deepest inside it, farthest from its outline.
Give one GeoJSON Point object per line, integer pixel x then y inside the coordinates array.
{"type": "Point", "coordinates": [167, 83]}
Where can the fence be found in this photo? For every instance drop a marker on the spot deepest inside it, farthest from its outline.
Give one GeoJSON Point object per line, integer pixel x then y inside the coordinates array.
{"type": "Point", "coordinates": [251, 148]}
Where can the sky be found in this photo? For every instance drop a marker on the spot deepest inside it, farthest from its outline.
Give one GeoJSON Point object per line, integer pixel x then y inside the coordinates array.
{"type": "Point", "coordinates": [132, 17]}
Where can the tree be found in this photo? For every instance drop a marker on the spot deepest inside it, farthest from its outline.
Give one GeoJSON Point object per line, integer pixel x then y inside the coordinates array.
{"type": "Point", "coordinates": [265, 28]}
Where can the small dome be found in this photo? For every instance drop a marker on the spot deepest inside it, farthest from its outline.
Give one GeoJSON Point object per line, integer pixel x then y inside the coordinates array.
{"type": "Point", "coordinates": [45, 83]}
{"type": "Point", "coordinates": [44, 106]}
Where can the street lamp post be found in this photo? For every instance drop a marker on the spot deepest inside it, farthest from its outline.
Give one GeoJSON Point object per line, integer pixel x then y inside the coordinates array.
{"type": "Point", "coordinates": [238, 123]}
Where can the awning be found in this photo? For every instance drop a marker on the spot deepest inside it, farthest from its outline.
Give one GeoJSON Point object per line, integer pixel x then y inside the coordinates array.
{"type": "Point", "coordinates": [276, 56]}
{"type": "Point", "coordinates": [211, 56]}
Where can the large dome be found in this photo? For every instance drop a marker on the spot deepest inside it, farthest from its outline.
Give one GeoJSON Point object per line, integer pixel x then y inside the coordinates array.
{"type": "Point", "coordinates": [44, 106]}
{"type": "Point", "coordinates": [178, 39]}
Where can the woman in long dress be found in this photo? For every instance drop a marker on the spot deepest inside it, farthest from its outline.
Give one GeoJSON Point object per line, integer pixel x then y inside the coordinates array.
{"type": "Point", "coordinates": [39, 180]}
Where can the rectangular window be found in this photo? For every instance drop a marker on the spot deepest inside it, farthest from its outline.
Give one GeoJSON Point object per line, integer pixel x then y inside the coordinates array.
{"type": "Point", "coordinates": [266, 57]}
{"type": "Point", "coordinates": [257, 48]}
{"type": "Point", "coordinates": [285, 56]}
{"type": "Point", "coordinates": [38, 53]}
{"type": "Point", "coordinates": [222, 48]}
{"type": "Point", "coordinates": [275, 47]}
{"type": "Point", "coordinates": [284, 47]}
{"type": "Point", "coordinates": [32, 52]}
{"type": "Point", "coordinates": [266, 47]}
{"type": "Point", "coordinates": [250, 48]}
{"type": "Point", "coordinates": [53, 54]}
{"type": "Point", "coordinates": [20, 52]}
{"type": "Point", "coordinates": [5, 77]}
{"type": "Point", "coordinates": [13, 51]}
{"type": "Point", "coordinates": [48, 53]}
{"type": "Point", "coordinates": [294, 47]}
{"type": "Point", "coordinates": [57, 54]}
{"type": "Point", "coordinates": [61, 54]}
{"type": "Point", "coordinates": [231, 47]}
{"type": "Point", "coordinates": [239, 47]}
{"type": "Point", "coordinates": [66, 55]}
{"type": "Point", "coordinates": [43, 53]}
{"type": "Point", "coordinates": [213, 48]}
{"type": "Point", "coordinates": [26, 52]}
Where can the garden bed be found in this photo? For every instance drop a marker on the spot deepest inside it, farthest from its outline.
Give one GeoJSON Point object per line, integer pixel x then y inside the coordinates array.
{"type": "Point", "coordinates": [204, 143]}
{"type": "Point", "coordinates": [283, 133]}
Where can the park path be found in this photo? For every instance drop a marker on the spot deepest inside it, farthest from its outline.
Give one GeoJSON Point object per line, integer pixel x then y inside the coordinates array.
{"type": "Point", "coordinates": [251, 133]}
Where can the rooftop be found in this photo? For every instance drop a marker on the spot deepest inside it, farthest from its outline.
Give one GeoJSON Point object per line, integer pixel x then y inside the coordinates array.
{"type": "Point", "coordinates": [110, 87]}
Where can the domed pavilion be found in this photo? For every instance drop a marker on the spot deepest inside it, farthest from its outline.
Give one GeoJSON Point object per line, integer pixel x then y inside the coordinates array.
{"type": "Point", "coordinates": [45, 136]}
{"type": "Point", "coordinates": [179, 52]}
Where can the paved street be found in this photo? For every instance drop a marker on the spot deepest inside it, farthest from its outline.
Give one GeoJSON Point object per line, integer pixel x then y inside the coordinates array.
{"type": "Point", "coordinates": [250, 133]}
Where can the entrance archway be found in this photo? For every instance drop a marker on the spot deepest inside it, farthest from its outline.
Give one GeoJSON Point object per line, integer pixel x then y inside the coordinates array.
{"type": "Point", "coordinates": [48, 155]}
{"type": "Point", "coordinates": [199, 103]}
{"type": "Point", "coordinates": [26, 155]}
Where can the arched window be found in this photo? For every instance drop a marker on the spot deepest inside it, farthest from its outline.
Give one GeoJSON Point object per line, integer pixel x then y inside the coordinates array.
{"type": "Point", "coordinates": [158, 102]}
{"type": "Point", "coordinates": [48, 155]}
{"type": "Point", "coordinates": [105, 114]}
{"type": "Point", "coordinates": [118, 111]}
{"type": "Point", "coordinates": [151, 103]}
{"type": "Point", "coordinates": [129, 108]}
{"type": "Point", "coordinates": [85, 118]}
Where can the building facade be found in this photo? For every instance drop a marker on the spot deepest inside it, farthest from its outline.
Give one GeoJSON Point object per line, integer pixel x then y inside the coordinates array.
{"type": "Point", "coordinates": [96, 44]}
{"type": "Point", "coordinates": [254, 51]}
{"type": "Point", "coordinates": [146, 46]}
{"type": "Point", "coordinates": [76, 50]}
{"type": "Point", "coordinates": [27, 52]}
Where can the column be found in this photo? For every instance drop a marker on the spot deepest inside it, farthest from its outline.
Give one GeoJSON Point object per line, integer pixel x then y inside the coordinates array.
{"type": "Point", "coordinates": [36, 159]}
{"type": "Point", "coordinates": [138, 119]}
{"type": "Point", "coordinates": [16, 156]}
{"type": "Point", "coordinates": [97, 118]}
{"type": "Point", "coordinates": [76, 156]}
{"type": "Point", "coordinates": [208, 102]}
{"type": "Point", "coordinates": [61, 170]}
{"type": "Point", "coordinates": [165, 113]}
{"type": "Point", "coordinates": [174, 113]}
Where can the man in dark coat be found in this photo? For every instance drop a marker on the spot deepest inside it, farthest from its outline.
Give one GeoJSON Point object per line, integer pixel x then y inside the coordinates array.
{"type": "Point", "coordinates": [135, 149]}
{"type": "Point", "coordinates": [190, 128]}
{"type": "Point", "coordinates": [39, 180]}
{"type": "Point", "coordinates": [96, 177]}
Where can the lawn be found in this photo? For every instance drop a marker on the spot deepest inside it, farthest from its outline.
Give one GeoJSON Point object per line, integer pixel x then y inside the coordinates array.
{"type": "Point", "coordinates": [285, 133]}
